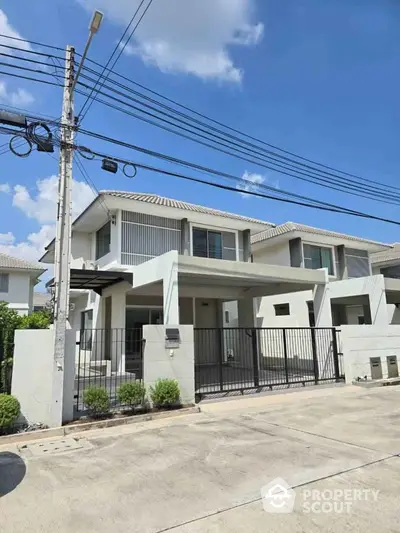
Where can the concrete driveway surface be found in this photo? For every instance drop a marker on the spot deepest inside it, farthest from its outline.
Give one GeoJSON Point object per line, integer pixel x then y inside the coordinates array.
{"type": "Point", "coordinates": [337, 447]}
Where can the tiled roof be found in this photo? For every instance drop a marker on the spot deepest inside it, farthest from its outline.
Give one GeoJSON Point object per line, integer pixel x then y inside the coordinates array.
{"type": "Point", "coordinates": [169, 202]}
{"type": "Point", "coordinates": [7, 261]}
{"type": "Point", "coordinates": [292, 226]}
{"type": "Point", "coordinates": [387, 255]}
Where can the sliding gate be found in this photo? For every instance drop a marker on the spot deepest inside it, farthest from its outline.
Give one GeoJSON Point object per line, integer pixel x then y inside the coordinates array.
{"type": "Point", "coordinates": [238, 359]}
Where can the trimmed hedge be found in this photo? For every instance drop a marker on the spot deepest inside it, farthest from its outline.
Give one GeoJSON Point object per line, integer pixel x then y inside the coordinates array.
{"type": "Point", "coordinates": [9, 410]}
{"type": "Point", "coordinates": [165, 393]}
{"type": "Point", "coordinates": [96, 400]}
{"type": "Point", "coordinates": [132, 394]}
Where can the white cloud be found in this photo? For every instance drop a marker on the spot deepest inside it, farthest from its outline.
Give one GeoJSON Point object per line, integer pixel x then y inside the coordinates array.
{"type": "Point", "coordinates": [42, 207]}
{"type": "Point", "coordinates": [7, 238]}
{"type": "Point", "coordinates": [5, 187]}
{"type": "Point", "coordinates": [7, 29]}
{"type": "Point", "coordinates": [250, 183]}
{"type": "Point", "coordinates": [18, 98]}
{"type": "Point", "coordinates": [189, 36]}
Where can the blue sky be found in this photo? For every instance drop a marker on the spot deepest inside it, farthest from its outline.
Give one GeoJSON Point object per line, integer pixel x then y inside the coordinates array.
{"type": "Point", "coordinates": [317, 78]}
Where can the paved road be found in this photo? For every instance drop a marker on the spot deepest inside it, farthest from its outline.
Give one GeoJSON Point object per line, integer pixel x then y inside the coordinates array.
{"type": "Point", "coordinates": [203, 473]}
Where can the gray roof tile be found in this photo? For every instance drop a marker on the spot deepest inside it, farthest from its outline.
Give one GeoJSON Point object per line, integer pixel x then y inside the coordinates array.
{"type": "Point", "coordinates": [7, 261]}
{"type": "Point", "coordinates": [292, 226]}
{"type": "Point", "coordinates": [169, 202]}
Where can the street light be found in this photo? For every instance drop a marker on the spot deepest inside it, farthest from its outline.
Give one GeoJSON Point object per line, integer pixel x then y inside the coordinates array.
{"type": "Point", "coordinates": [95, 22]}
{"type": "Point", "coordinates": [93, 29]}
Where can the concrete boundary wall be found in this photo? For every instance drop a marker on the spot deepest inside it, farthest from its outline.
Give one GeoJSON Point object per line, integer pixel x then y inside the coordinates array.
{"type": "Point", "coordinates": [360, 343]}
{"type": "Point", "coordinates": [172, 363]}
{"type": "Point", "coordinates": [32, 379]}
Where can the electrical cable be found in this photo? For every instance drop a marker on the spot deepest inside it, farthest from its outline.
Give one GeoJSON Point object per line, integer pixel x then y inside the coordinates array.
{"type": "Point", "coordinates": [226, 126]}
{"type": "Point", "coordinates": [35, 61]}
{"type": "Point", "coordinates": [36, 43]}
{"type": "Point", "coordinates": [84, 113]}
{"type": "Point", "coordinates": [336, 209]}
{"type": "Point", "coordinates": [90, 182]}
{"type": "Point", "coordinates": [28, 78]}
{"type": "Point", "coordinates": [353, 189]}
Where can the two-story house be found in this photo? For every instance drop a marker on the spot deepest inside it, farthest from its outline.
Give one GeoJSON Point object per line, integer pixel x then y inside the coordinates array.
{"type": "Point", "coordinates": [143, 259]}
{"type": "Point", "coordinates": [387, 263]}
{"type": "Point", "coordinates": [17, 281]}
{"type": "Point", "coordinates": [355, 294]}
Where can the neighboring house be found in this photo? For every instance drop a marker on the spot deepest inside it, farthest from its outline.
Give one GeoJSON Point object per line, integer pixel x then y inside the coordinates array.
{"type": "Point", "coordinates": [17, 281]}
{"type": "Point", "coordinates": [355, 294]}
{"type": "Point", "coordinates": [387, 263]}
{"type": "Point", "coordinates": [143, 259]}
{"type": "Point", "coordinates": [41, 301]}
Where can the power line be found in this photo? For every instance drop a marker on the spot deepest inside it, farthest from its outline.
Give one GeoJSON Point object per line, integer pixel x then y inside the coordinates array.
{"type": "Point", "coordinates": [355, 191]}
{"type": "Point", "coordinates": [229, 128]}
{"type": "Point", "coordinates": [36, 43]}
{"type": "Point", "coordinates": [84, 113]}
{"type": "Point", "coordinates": [335, 209]}
{"type": "Point", "coordinates": [195, 166]}
{"type": "Point", "coordinates": [34, 61]}
{"type": "Point", "coordinates": [90, 182]}
{"type": "Point", "coordinates": [28, 78]}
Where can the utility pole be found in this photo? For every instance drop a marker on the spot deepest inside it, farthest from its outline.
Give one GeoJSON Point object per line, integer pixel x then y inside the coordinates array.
{"type": "Point", "coordinates": [63, 234]}
{"type": "Point", "coordinates": [62, 259]}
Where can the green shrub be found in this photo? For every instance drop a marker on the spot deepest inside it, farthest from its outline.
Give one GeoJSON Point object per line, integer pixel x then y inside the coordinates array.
{"type": "Point", "coordinates": [96, 400]}
{"type": "Point", "coordinates": [132, 394]}
{"type": "Point", "coordinates": [9, 410]}
{"type": "Point", "coordinates": [165, 393]}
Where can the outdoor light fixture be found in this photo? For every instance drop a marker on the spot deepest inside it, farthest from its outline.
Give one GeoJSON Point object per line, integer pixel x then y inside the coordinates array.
{"type": "Point", "coordinates": [95, 22]}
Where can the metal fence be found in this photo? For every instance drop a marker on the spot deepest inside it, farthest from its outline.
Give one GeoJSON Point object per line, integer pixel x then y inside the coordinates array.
{"type": "Point", "coordinates": [107, 358]}
{"type": "Point", "coordinates": [236, 359]}
{"type": "Point", "coordinates": [6, 356]}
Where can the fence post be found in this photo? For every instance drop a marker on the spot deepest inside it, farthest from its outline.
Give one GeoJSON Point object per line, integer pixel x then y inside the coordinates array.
{"type": "Point", "coordinates": [285, 355]}
{"type": "Point", "coordinates": [335, 354]}
{"type": "Point", "coordinates": [315, 355]}
{"type": "Point", "coordinates": [256, 373]}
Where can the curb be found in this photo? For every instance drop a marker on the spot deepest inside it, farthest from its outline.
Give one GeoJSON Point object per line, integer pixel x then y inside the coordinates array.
{"type": "Point", "coordinates": [78, 428]}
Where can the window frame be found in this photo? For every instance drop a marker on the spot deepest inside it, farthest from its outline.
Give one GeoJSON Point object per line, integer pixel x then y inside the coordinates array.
{"type": "Point", "coordinates": [215, 229]}
{"type": "Point", "coordinates": [86, 341]}
{"type": "Point", "coordinates": [285, 305]}
{"type": "Point", "coordinates": [96, 254]}
{"type": "Point", "coordinates": [326, 247]}
{"type": "Point", "coordinates": [7, 282]}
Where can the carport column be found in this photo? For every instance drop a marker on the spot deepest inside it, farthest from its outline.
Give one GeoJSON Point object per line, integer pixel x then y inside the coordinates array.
{"type": "Point", "coordinates": [246, 354]}
{"type": "Point", "coordinates": [322, 304]}
{"type": "Point", "coordinates": [377, 300]}
{"type": "Point", "coordinates": [171, 293]}
{"type": "Point", "coordinates": [118, 311]}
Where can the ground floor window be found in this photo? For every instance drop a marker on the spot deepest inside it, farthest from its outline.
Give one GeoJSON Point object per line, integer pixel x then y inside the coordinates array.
{"type": "Point", "coordinates": [86, 329]}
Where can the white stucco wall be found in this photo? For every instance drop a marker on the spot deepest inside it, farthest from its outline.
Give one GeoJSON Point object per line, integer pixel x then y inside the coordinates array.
{"type": "Point", "coordinates": [177, 363]}
{"type": "Point", "coordinates": [20, 292]}
{"type": "Point", "coordinates": [80, 249]}
{"type": "Point", "coordinates": [274, 255]}
{"type": "Point", "coordinates": [360, 343]}
{"type": "Point", "coordinates": [32, 379]}
{"type": "Point", "coordinates": [372, 286]}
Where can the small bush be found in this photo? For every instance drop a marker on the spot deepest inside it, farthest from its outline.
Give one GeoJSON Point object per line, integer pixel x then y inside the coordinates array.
{"type": "Point", "coordinates": [9, 410]}
{"type": "Point", "coordinates": [96, 400]}
{"type": "Point", "coordinates": [132, 394]}
{"type": "Point", "coordinates": [165, 393]}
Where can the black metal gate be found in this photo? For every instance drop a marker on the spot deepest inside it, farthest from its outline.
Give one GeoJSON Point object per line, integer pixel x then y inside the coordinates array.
{"type": "Point", "coordinates": [238, 359]}
{"type": "Point", "coordinates": [107, 358]}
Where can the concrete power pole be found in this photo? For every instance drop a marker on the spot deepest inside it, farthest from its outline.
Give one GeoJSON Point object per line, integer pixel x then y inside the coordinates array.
{"type": "Point", "coordinates": [63, 235]}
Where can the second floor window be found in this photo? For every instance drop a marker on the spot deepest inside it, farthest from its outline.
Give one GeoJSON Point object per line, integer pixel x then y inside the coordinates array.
{"type": "Point", "coordinates": [103, 240]}
{"type": "Point", "coordinates": [207, 243]}
{"type": "Point", "coordinates": [4, 279]}
{"type": "Point", "coordinates": [318, 257]}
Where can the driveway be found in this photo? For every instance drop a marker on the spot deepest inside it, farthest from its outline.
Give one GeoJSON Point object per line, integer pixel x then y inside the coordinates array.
{"type": "Point", "coordinates": [203, 473]}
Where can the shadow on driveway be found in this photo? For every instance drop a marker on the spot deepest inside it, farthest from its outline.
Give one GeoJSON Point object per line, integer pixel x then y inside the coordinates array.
{"type": "Point", "coordinates": [12, 472]}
